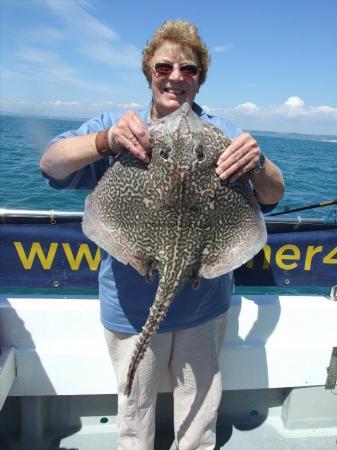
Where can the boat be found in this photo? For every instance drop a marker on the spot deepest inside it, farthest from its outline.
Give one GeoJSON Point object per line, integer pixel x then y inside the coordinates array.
{"type": "Point", "coordinates": [279, 361]}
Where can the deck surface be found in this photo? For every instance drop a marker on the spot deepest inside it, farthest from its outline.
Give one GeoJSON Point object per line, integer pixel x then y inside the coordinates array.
{"type": "Point", "coordinates": [271, 435]}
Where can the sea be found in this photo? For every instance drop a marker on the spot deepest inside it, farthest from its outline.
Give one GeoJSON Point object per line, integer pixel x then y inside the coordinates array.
{"type": "Point", "coordinates": [308, 164]}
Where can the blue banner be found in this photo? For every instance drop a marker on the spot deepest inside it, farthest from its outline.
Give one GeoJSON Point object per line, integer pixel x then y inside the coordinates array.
{"type": "Point", "coordinates": [301, 258]}
{"type": "Point", "coordinates": [34, 256]}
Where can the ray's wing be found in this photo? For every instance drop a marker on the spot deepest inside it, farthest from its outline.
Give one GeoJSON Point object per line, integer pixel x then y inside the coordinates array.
{"type": "Point", "coordinates": [233, 244]}
{"type": "Point", "coordinates": [235, 230]}
{"type": "Point", "coordinates": [115, 215]}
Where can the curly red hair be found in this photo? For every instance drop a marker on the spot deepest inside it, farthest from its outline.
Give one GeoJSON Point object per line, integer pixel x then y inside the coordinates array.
{"type": "Point", "coordinates": [181, 33]}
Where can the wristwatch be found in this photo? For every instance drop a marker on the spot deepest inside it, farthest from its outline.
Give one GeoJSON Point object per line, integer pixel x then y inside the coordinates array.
{"type": "Point", "coordinates": [260, 166]}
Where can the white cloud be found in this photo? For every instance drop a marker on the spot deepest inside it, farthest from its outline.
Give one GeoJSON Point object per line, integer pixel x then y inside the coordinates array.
{"type": "Point", "coordinates": [130, 105]}
{"type": "Point", "coordinates": [66, 108]}
{"type": "Point", "coordinates": [323, 110]}
{"type": "Point", "coordinates": [46, 66]}
{"type": "Point", "coordinates": [39, 55]}
{"type": "Point", "coordinates": [291, 116]}
{"type": "Point", "coordinates": [294, 101]}
{"type": "Point", "coordinates": [45, 33]}
{"type": "Point", "coordinates": [87, 4]}
{"type": "Point", "coordinates": [249, 116]}
{"type": "Point", "coordinates": [222, 48]}
{"type": "Point", "coordinates": [79, 20]}
{"type": "Point", "coordinates": [104, 105]}
{"type": "Point", "coordinates": [60, 103]}
{"type": "Point", "coordinates": [40, 52]}
{"type": "Point", "coordinates": [106, 54]}
{"type": "Point", "coordinates": [10, 74]}
{"type": "Point", "coordinates": [93, 39]}
{"type": "Point", "coordinates": [247, 108]}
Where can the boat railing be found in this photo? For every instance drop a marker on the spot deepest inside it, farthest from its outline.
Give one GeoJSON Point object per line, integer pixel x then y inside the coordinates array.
{"type": "Point", "coordinates": [53, 216]}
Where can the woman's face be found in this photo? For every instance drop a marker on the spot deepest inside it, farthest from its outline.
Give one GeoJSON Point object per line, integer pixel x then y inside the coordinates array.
{"type": "Point", "coordinates": [172, 90]}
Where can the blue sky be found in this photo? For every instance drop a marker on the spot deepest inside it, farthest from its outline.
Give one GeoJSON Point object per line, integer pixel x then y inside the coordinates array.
{"type": "Point", "coordinates": [274, 64]}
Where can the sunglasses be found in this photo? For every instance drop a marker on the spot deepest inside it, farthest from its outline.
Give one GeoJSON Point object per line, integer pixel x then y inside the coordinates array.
{"type": "Point", "coordinates": [186, 70]}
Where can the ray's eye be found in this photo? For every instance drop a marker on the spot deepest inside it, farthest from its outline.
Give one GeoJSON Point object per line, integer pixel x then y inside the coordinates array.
{"type": "Point", "coordinates": [223, 183]}
{"type": "Point", "coordinates": [165, 153]}
{"type": "Point", "coordinates": [200, 153]}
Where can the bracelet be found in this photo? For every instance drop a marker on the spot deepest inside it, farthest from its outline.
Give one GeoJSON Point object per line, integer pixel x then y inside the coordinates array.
{"type": "Point", "coordinates": [102, 143]}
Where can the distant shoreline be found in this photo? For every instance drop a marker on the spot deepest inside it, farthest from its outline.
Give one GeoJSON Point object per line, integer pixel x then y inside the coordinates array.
{"type": "Point", "coordinates": [332, 138]}
{"type": "Point", "coordinates": [283, 134]}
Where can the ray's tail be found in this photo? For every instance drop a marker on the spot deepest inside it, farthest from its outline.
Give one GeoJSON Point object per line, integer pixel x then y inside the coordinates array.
{"type": "Point", "coordinates": [168, 285]}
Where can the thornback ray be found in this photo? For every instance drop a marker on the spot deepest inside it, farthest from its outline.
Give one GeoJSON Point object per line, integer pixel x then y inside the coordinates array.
{"type": "Point", "coordinates": [174, 215]}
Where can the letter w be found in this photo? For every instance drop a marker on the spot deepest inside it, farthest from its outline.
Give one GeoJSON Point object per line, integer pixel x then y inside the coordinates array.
{"type": "Point", "coordinates": [83, 250]}
{"type": "Point", "coordinates": [36, 250]}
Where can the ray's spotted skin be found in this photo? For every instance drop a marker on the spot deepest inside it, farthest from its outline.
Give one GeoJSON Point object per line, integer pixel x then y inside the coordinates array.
{"type": "Point", "coordinates": [174, 215]}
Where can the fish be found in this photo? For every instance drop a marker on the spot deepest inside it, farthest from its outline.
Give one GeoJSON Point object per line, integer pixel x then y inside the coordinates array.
{"type": "Point", "coordinates": [174, 216]}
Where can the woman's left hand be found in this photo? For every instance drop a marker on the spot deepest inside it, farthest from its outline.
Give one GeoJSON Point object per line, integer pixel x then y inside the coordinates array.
{"type": "Point", "coordinates": [241, 156]}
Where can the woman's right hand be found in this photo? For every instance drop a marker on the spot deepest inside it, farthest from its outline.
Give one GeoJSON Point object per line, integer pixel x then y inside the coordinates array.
{"type": "Point", "coordinates": [130, 133]}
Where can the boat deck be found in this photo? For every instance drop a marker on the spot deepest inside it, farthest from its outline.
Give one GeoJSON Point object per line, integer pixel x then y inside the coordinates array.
{"type": "Point", "coordinates": [57, 389]}
{"type": "Point", "coordinates": [259, 420]}
{"type": "Point", "coordinates": [268, 436]}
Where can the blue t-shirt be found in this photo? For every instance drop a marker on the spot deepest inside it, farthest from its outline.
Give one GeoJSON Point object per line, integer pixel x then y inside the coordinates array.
{"type": "Point", "coordinates": [125, 297]}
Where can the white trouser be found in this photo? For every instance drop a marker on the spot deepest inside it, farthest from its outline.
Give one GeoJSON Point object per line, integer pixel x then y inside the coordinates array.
{"type": "Point", "coordinates": [192, 356]}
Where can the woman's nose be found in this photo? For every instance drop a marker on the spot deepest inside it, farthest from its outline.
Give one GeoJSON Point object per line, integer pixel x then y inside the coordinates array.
{"type": "Point", "coordinates": [176, 74]}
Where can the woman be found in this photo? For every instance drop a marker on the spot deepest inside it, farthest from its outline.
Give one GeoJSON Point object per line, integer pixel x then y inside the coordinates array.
{"type": "Point", "coordinates": [190, 338]}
